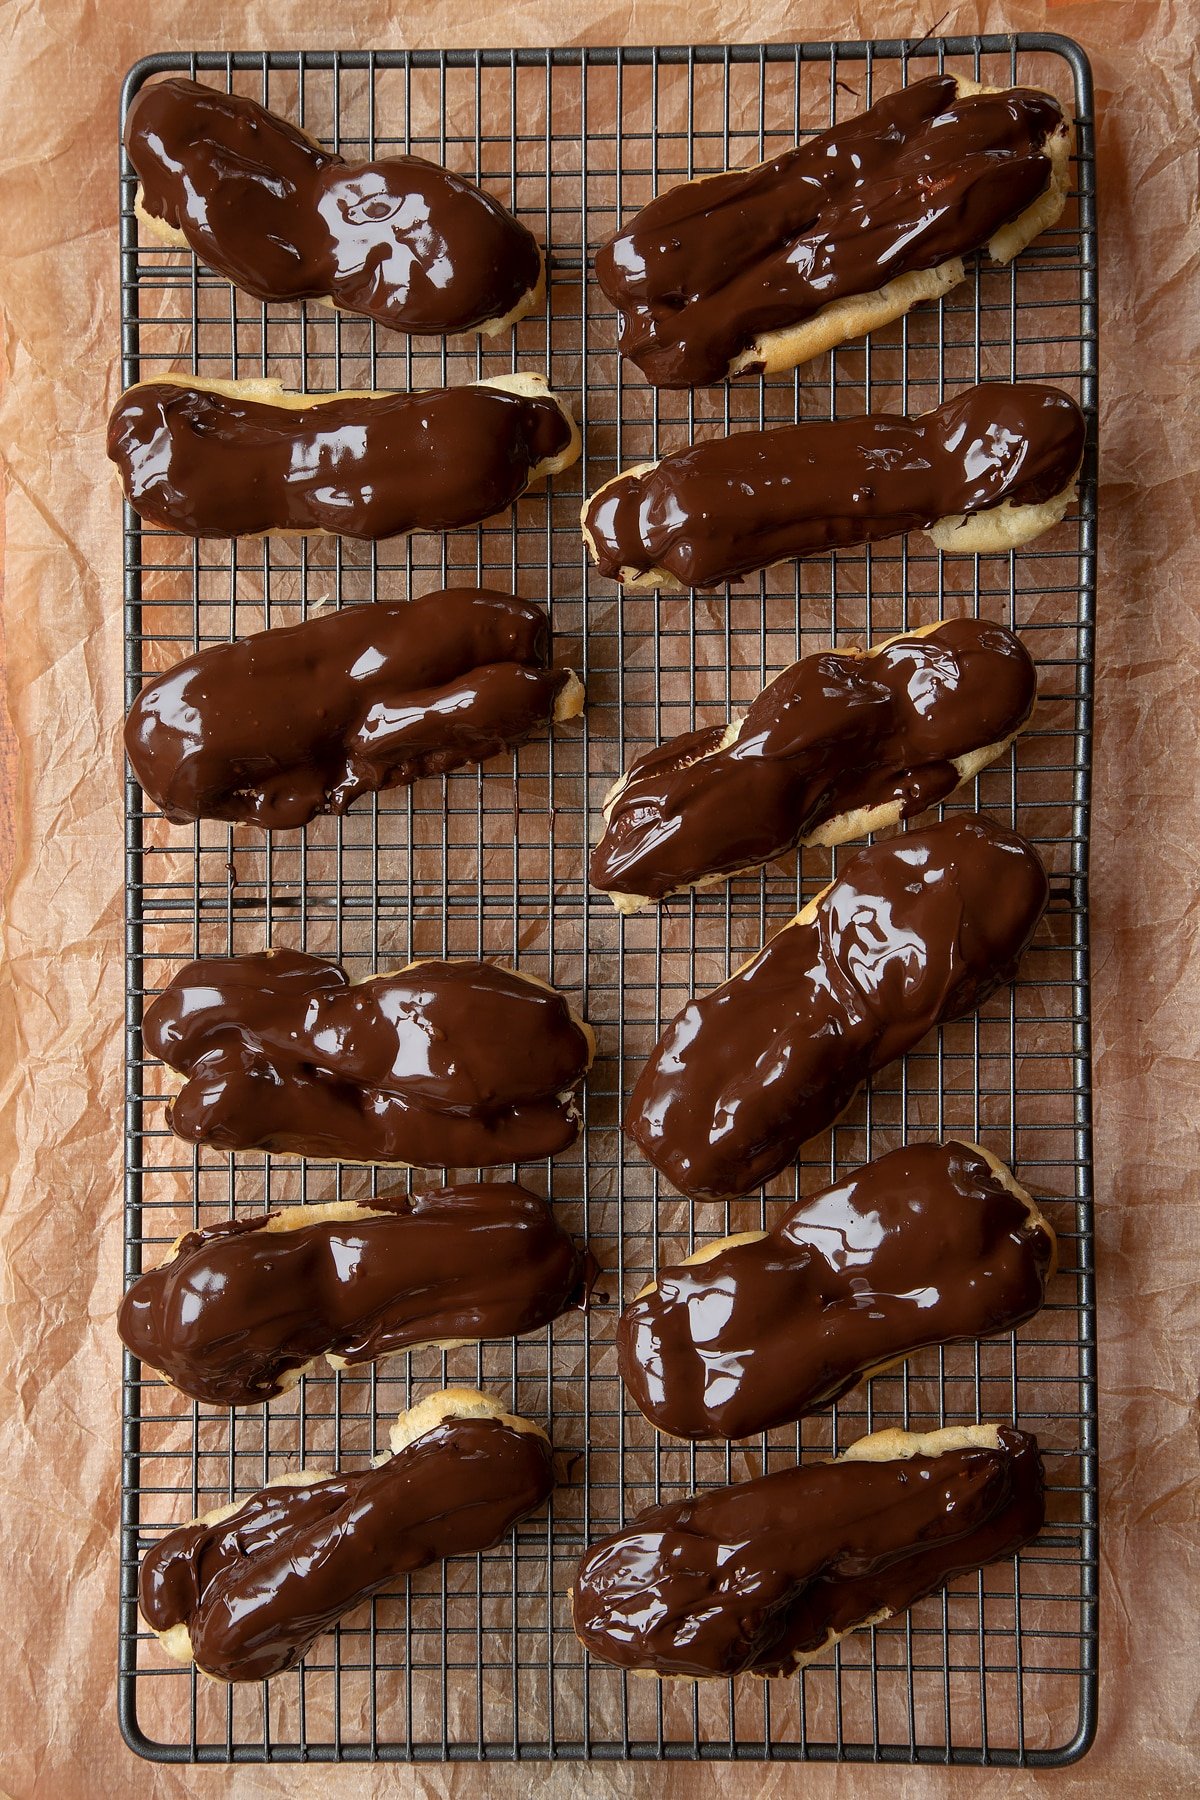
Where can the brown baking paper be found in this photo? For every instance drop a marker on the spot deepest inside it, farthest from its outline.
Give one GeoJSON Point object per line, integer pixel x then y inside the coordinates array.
{"type": "Point", "coordinates": [61, 982]}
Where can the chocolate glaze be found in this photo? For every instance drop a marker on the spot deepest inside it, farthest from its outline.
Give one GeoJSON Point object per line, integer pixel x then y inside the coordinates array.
{"type": "Point", "coordinates": [750, 1577]}
{"type": "Point", "coordinates": [916, 930]}
{"type": "Point", "coordinates": [834, 733]}
{"type": "Point", "coordinates": [925, 1246]}
{"type": "Point", "coordinates": [720, 509]}
{"type": "Point", "coordinates": [401, 240]}
{"type": "Point", "coordinates": [300, 720]}
{"type": "Point", "coordinates": [255, 1589]}
{"type": "Point", "coordinates": [238, 1306]}
{"type": "Point", "coordinates": [919, 179]}
{"type": "Point", "coordinates": [362, 466]}
{"type": "Point", "coordinates": [456, 1064]}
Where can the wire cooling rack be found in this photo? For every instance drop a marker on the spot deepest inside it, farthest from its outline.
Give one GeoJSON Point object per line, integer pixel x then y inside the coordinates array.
{"type": "Point", "coordinates": [477, 1659]}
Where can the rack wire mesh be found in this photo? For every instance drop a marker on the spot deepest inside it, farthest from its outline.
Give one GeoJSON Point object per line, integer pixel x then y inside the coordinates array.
{"type": "Point", "coordinates": [477, 1660]}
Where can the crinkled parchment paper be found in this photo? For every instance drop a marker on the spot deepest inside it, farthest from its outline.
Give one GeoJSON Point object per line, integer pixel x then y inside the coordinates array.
{"type": "Point", "coordinates": [60, 986]}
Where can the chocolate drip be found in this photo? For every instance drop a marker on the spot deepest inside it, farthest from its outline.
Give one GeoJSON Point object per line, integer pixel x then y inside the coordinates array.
{"type": "Point", "coordinates": [401, 240]}
{"type": "Point", "coordinates": [455, 1064]}
{"type": "Point", "coordinates": [926, 1246]}
{"type": "Point", "coordinates": [833, 734]}
{"type": "Point", "coordinates": [920, 179]}
{"type": "Point", "coordinates": [213, 464]}
{"type": "Point", "coordinates": [916, 930]}
{"type": "Point", "coordinates": [255, 1589]}
{"type": "Point", "coordinates": [300, 720]}
{"type": "Point", "coordinates": [756, 1576]}
{"type": "Point", "coordinates": [240, 1307]}
{"type": "Point", "coordinates": [723, 508]}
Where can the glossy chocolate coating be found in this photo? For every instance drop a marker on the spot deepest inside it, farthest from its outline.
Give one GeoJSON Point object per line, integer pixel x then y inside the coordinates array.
{"type": "Point", "coordinates": [916, 930]}
{"type": "Point", "coordinates": [255, 1589]}
{"type": "Point", "coordinates": [401, 240]}
{"type": "Point", "coordinates": [831, 735]}
{"type": "Point", "coordinates": [750, 1577]}
{"type": "Point", "coordinates": [302, 719]}
{"type": "Point", "coordinates": [371, 466]}
{"type": "Point", "coordinates": [919, 179]}
{"type": "Point", "coordinates": [239, 1306]}
{"type": "Point", "coordinates": [925, 1246]}
{"type": "Point", "coordinates": [730, 505]}
{"type": "Point", "coordinates": [455, 1064]}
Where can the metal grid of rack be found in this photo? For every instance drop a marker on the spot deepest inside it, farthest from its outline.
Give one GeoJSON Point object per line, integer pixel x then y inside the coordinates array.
{"type": "Point", "coordinates": [477, 1659]}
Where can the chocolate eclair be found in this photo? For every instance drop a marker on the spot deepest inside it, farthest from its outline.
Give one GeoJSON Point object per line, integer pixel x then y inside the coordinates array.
{"type": "Point", "coordinates": [932, 1244]}
{"type": "Point", "coordinates": [240, 1310]}
{"type": "Point", "coordinates": [399, 239]}
{"type": "Point", "coordinates": [763, 268]}
{"type": "Point", "coordinates": [916, 930]}
{"type": "Point", "coordinates": [438, 1064]}
{"type": "Point", "coordinates": [765, 1576]}
{"type": "Point", "coordinates": [244, 1591]}
{"type": "Point", "coordinates": [984, 472]}
{"type": "Point", "coordinates": [227, 459]}
{"type": "Point", "coordinates": [840, 744]}
{"type": "Point", "coordinates": [302, 719]}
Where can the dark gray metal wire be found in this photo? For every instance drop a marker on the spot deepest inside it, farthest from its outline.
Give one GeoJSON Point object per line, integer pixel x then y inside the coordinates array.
{"type": "Point", "coordinates": [478, 1660]}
